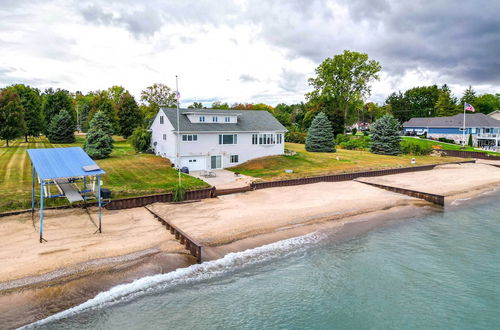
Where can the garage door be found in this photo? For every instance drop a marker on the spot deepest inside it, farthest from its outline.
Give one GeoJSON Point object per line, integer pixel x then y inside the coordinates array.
{"type": "Point", "coordinates": [194, 163]}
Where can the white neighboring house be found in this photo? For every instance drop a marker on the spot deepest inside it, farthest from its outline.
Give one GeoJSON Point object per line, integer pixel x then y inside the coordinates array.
{"type": "Point", "coordinates": [214, 139]}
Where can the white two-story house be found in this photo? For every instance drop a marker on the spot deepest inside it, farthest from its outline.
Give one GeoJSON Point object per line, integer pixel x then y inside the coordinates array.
{"type": "Point", "coordinates": [214, 139]}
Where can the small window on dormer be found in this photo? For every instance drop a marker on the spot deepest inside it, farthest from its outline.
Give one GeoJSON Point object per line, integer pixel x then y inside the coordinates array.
{"type": "Point", "coordinates": [227, 119]}
{"type": "Point", "coordinates": [215, 119]}
{"type": "Point", "coordinates": [202, 119]}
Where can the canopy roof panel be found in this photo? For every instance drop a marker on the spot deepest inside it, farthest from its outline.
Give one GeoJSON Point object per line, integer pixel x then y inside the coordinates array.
{"type": "Point", "coordinates": [54, 163]}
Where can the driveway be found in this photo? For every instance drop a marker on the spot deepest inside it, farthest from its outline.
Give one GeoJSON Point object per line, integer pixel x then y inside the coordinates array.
{"type": "Point", "coordinates": [224, 179]}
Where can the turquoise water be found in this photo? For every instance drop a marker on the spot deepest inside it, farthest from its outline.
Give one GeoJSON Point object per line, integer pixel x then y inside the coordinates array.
{"type": "Point", "coordinates": [437, 271]}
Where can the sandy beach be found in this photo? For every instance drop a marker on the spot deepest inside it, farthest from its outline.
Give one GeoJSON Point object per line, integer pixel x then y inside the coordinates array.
{"type": "Point", "coordinates": [73, 246]}
{"type": "Point", "coordinates": [81, 263]}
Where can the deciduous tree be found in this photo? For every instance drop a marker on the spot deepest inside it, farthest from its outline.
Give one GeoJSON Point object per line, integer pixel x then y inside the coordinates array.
{"type": "Point", "coordinates": [12, 123]}
{"type": "Point", "coordinates": [32, 109]}
{"type": "Point", "coordinates": [129, 115]}
{"type": "Point", "coordinates": [344, 79]}
{"type": "Point", "coordinates": [446, 104]}
{"type": "Point", "coordinates": [55, 102]}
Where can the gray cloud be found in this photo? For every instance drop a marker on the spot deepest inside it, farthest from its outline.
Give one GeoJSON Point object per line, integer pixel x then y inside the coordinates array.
{"type": "Point", "coordinates": [291, 81]}
{"type": "Point", "coordinates": [248, 78]}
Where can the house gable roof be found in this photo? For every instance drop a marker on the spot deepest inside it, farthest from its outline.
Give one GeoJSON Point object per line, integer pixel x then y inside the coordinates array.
{"type": "Point", "coordinates": [248, 121]}
{"type": "Point", "coordinates": [471, 120]}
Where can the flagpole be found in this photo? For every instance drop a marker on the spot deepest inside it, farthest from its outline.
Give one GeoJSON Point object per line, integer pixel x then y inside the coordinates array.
{"type": "Point", "coordinates": [463, 134]}
{"type": "Point", "coordinates": [178, 130]}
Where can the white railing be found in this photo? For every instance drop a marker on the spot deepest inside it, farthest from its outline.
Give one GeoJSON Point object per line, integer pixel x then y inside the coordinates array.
{"type": "Point", "coordinates": [488, 135]}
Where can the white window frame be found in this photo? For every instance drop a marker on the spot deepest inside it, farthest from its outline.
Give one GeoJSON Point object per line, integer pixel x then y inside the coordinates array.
{"type": "Point", "coordinates": [255, 139]}
{"type": "Point", "coordinates": [232, 160]}
{"type": "Point", "coordinates": [215, 119]}
{"type": "Point", "coordinates": [189, 137]}
{"type": "Point", "coordinates": [227, 119]}
{"type": "Point", "coordinates": [202, 119]}
{"type": "Point", "coordinates": [162, 120]}
{"type": "Point", "coordinates": [164, 137]}
{"type": "Point", "coordinates": [235, 138]}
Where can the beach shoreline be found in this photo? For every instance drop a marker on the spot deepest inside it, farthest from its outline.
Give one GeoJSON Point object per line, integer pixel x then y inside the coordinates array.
{"type": "Point", "coordinates": [157, 252]}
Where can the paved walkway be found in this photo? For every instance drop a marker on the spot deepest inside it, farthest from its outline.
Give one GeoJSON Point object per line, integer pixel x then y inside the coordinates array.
{"type": "Point", "coordinates": [224, 179]}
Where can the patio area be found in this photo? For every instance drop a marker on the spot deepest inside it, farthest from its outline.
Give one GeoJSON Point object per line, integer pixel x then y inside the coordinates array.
{"type": "Point", "coordinates": [223, 179]}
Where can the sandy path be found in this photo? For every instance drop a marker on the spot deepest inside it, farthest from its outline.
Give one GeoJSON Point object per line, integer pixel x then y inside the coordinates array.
{"type": "Point", "coordinates": [447, 180]}
{"type": "Point", "coordinates": [71, 240]}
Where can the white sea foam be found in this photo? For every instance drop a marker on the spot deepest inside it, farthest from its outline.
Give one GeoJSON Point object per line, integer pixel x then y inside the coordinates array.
{"type": "Point", "coordinates": [194, 273]}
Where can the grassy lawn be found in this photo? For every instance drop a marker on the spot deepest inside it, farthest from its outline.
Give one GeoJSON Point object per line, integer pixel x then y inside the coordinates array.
{"type": "Point", "coordinates": [127, 173]}
{"type": "Point", "coordinates": [447, 146]}
{"type": "Point", "coordinates": [306, 163]}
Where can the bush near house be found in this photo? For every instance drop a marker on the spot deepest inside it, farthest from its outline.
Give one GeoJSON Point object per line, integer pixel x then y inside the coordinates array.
{"type": "Point", "coordinates": [140, 139]}
{"type": "Point", "coordinates": [415, 148]}
{"type": "Point", "coordinates": [296, 137]}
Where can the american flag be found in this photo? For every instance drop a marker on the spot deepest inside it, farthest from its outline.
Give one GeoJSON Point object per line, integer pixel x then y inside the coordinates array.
{"type": "Point", "coordinates": [469, 107]}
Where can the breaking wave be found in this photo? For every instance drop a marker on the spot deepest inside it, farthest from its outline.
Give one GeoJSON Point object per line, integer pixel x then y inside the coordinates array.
{"type": "Point", "coordinates": [194, 273]}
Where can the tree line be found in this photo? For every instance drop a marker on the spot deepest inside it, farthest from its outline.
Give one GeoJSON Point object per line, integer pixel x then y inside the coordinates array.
{"type": "Point", "coordinates": [341, 85]}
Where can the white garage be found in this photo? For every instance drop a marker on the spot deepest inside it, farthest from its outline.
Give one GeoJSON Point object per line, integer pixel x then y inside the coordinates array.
{"type": "Point", "coordinates": [195, 163]}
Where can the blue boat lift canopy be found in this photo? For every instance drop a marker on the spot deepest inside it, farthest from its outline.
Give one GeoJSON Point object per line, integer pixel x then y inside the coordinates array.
{"type": "Point", "coordinates": [63, 167]}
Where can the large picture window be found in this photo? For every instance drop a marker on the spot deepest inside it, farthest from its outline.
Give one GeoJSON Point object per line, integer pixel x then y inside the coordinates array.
{"type": "Point", "coordinates": [267, 138]}
{"type": "Point", "coordinates": [228, 139]}
{"type": "Point", "coordinates": [190, 137]}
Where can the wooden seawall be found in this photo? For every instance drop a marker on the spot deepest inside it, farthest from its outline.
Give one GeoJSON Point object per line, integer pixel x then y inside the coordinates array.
{"type": "Point", "coordinates": [191, 245]}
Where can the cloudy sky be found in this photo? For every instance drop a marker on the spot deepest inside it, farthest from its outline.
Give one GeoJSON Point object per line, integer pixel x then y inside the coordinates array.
{"type": "Point", "coordinates": [246, 50]}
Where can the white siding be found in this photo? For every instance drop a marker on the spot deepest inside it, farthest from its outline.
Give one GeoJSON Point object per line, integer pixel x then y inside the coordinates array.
{"type": "Point", "coordinates": [207, 144]}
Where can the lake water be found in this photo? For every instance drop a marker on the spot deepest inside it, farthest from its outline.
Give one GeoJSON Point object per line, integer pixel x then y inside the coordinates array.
{"type": "Point", "coordinates": [436, 271]}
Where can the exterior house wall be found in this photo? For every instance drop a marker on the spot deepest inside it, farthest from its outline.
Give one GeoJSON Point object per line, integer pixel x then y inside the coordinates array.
{"type": "Point", "coordinates": [164, 148]}
{"type": "Point", "coordinates": [207, 144]}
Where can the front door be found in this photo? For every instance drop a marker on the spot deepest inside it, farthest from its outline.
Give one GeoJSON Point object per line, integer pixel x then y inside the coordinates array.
{"type": "Point", "coordinates": [215, 162]}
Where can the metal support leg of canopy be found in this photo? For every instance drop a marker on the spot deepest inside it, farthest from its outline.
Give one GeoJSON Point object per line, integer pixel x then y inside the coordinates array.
{"type": "Point", "coordinates": [32, 190]}
{"type": "Point", "coordinates": [41, 212]}
{"type": "Point", "coordinates": [99, 199]}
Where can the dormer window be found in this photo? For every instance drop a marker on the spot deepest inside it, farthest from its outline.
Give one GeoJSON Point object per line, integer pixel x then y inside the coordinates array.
{"type": "Point", "coordinates": [227, 119]}
{"type": "Point", "coordinates": [202, 119]}
{"type": "Point", "coordinates": [215, 119]}
{"type": "Point", "coordinates": [161, 120]}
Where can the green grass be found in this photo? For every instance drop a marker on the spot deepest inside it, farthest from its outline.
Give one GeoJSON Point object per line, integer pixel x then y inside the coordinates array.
{"type": "Point", "coordinates": [306, 164]}
{"type": "Point", "coordinates": [128, 174]}
{"type": "Point", "coordinates": [447, 146]}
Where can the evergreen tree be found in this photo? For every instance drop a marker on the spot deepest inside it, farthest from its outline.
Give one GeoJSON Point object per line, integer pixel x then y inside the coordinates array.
{"type": "Point", "coordinates": [12, 123]}
{"type": "Point", "coordinates": [320, 135]}
{"type": "Point", "coordinates": [469, 97]}
{"type": "Point", "coordinates": [446, 104]}
{"type": "Point", "coordinates": [61, 129]}
{"type": "Point", "coordinates": [99, 143]}
{"type": "Point", "coordinates": [55, 102]}
{"type": "Point", "coordinates": [470, 143]}
{"type": "Point", "coordinates": [102, 102]}
{"type": "Point", "coordinates": [32, 106]}
{"type": "Point", "coordinates": [386, 136]}
{"type": "Point", "coordinates": [129, 115]}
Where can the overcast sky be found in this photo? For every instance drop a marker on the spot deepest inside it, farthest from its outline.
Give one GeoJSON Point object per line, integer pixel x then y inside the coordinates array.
{"type": "Point", "coordinates": [246, 51]}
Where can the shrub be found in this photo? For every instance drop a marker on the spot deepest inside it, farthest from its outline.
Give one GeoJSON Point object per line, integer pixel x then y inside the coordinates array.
{"type": "Point", "coordinates": [354, 131]}
{"type": "Point", "coordinates": [320, 135]}
{"type": "Point", "coordinates": [140, 139]}
{"type": "Point", "coordinates": [356, 143]}
{"type": "Point", "coordinates": [296, 137]}
{"type": "Point", "coordinates": [442, 139]}
{"type": "Point", "coordinates": [178, 193]}
{"type": "Point", "coordinates": [366, 133]}
{"type": "Point", "coordinates": [341, 138]}
{"type": "Point", "coordinates": [415, 148]}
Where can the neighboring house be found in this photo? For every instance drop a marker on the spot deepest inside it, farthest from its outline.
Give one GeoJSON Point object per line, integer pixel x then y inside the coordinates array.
{"type": "Point", "coordinates": [214, 139]}
{"type": "Point", "coordinates": [485, 130]}
{"type": "Point", "coordinates": [361, 126]}
{"type": "Point", "coordinates": [495, 115]}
